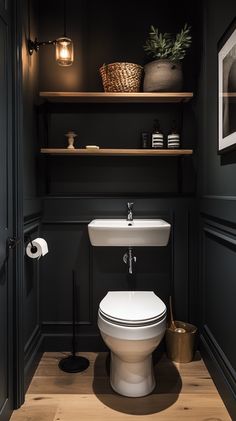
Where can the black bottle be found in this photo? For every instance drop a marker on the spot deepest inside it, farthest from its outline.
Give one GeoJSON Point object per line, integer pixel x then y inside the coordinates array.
{"type": "Point", "coordinates": [157, 136]}
{"type": "Point", "coordinates": [145, 140]}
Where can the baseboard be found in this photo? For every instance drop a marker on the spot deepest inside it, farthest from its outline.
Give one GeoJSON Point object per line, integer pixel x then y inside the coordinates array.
{"type": "Point", "coordinates": [63, 342]}
{"type": "Point", "coordinates": [33, 354]}
{"type": "Point", "coordinates": [221, 374]}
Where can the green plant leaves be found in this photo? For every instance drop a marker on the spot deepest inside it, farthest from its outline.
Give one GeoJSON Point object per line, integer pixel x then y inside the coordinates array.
{"type": "Point", "coordinates": [166, 46]}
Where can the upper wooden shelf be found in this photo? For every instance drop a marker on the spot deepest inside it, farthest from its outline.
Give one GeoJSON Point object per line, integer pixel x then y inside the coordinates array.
{"type": "Point", "coordinates": [116, 152]}
{"type": "Point", "coordinates": [116, 97]}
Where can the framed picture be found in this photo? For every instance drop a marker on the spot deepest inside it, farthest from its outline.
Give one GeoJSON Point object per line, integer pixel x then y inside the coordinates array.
{"type": "Point", "coordinates": [227, 90]}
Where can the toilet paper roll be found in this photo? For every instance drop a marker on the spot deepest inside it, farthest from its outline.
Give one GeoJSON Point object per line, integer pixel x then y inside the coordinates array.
{"type": "Point", "coordinates": [37, 248]}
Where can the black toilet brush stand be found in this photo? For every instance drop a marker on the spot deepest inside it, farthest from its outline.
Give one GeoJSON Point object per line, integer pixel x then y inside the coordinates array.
{"type": "Point", "coordinates": [73, 363]}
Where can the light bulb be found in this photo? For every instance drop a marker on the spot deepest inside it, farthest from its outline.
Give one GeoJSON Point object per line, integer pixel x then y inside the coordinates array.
{"type": "Point", "coordinates": [64, 51]}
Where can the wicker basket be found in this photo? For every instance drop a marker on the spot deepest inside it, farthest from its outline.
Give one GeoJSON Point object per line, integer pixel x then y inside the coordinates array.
{"type": "Point", "coordinates": [121, 77]}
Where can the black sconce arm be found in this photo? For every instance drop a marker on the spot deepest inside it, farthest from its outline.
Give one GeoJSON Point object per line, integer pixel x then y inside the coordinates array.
{"type": "Point", "coordinates": [34, 45]}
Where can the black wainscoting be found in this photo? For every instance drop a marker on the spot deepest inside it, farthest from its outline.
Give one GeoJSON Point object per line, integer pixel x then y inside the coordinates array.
{"type": "Point", "coordinates": [218, 291]}
{"type": "Point", "coordinates": [32, 324]}
{"type": "Point", "coordinates": [100, 269]}
{"type": "Point", "coordinates": [217, 218]}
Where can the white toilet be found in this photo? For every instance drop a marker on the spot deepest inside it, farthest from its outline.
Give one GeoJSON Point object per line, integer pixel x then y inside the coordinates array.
{"type": "Point", "coordinates": [132, 324]}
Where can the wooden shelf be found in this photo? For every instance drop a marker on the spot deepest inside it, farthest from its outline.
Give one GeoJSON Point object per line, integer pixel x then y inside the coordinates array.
{"type": "Point", "coordinates": [116, 97]}
{"type": "Point", "coordinates": [116, 152]}
{"type": "Point", "coordinates": [229, 94]}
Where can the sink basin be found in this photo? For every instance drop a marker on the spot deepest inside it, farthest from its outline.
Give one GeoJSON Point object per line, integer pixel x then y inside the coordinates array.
{"type": "Point", "coordinates": [123, 233]}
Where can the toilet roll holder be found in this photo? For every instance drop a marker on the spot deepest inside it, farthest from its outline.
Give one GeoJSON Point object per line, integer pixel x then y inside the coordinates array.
{"type": "Point", "coordinates": [33, 248]}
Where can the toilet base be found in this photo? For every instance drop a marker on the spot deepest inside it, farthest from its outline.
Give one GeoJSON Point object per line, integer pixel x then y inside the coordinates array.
{"type": "Point", "coordinates": [132, 378]}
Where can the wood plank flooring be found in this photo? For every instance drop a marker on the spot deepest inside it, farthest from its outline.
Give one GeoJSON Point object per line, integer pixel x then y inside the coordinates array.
{"type": "Point", "coordinates": [183, 392]}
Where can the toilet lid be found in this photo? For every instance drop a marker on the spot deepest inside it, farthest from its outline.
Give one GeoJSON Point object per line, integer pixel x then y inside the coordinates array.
{"type": "Point", "coordinates": [133, 307]}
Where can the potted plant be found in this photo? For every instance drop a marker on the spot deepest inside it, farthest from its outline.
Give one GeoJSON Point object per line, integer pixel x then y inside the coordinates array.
{"type": "Point", "coordinates": [165, 72]}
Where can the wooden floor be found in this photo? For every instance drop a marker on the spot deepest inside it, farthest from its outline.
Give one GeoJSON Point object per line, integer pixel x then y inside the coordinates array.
{"type": "Point", "coordinates": [183, 392]}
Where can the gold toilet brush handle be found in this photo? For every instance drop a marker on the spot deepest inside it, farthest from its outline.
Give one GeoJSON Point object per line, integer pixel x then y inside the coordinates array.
{"type": "Point", "coordinates": [172, 323]}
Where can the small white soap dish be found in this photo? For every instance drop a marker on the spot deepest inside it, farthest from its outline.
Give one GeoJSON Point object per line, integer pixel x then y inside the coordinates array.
{"type": "Point", "coordinates": [92, 147]}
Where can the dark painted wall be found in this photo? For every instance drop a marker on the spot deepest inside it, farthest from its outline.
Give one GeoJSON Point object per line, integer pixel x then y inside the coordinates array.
{"type": "Point", "coordinates": [78, 190]}
{"type": "Point", "coordinates": [100, 35]}
{"type": "Point", "coordinates": [217, 190]}
{"type": "Point", "coordinates": [103, 33]}
{"type": "Point", "coordinates": [30, 86]}
{"type": "Point", "coordinates": [32, 200]}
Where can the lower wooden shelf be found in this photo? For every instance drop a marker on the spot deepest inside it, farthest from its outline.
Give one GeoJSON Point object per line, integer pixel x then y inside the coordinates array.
{"type": "Point", "coordinates": [116, 152]}
{"type": "Point", "coordinates": [117, 97]}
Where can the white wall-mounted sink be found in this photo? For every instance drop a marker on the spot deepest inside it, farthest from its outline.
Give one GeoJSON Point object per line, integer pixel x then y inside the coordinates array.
{"type": "Point", "coordinates": [123, 233]}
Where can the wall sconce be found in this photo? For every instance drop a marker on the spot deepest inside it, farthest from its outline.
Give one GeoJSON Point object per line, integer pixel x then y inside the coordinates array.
{"type": "Point", "coordinates": [64, 46]}
{"type": "Point", "coordinates": [64, 49]}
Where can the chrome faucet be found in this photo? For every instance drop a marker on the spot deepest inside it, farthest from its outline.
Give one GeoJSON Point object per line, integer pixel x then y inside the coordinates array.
{"type": "Point", "coordinates": [130, 211]}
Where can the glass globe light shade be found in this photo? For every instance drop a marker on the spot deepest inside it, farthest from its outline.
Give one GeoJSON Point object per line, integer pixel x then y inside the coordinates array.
{"type": "Point", "coordinates": [64, 51]}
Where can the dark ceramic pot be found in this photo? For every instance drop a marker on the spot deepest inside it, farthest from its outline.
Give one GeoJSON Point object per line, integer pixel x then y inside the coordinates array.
{"type": "Point", "coordinates": [163, 76]}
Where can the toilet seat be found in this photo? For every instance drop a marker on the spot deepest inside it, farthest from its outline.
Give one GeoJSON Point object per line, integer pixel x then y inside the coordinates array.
{"type": "Point", "coordinates": [132, 308]}
{"type": "Point", "coordinates": [129, 323]}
